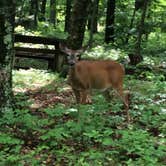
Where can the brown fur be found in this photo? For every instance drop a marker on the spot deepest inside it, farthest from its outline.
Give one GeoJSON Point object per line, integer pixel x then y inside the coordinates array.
{"type": "Point", "coordinates": [100, 74]}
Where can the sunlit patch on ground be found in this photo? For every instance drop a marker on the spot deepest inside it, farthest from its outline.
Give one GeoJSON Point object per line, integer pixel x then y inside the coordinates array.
{"type": "Point", "coordinates": [43, 89]}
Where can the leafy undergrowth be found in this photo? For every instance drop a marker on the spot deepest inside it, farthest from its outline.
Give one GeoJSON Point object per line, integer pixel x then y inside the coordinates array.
{"type": "Point", "coordinates": [48, 129]}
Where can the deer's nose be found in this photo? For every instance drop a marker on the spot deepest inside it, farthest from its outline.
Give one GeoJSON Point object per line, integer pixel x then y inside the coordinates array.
{"type": "Point", "coordinates": [71, 63]}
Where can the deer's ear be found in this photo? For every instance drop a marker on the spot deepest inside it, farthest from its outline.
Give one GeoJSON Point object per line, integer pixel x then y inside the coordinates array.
{"type": "Point", "coordinates": [64, 49]}
{"type": "Point", "coordinates": [68, 51]}
{"type": "Point", "coordinates": [77, 58]}
{"type": "Point", "coordinates": [78, 52]}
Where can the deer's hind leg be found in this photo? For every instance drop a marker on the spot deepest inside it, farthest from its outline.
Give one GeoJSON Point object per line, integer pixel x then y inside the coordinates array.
{"type": "Point", "coordinates": [124, 98]}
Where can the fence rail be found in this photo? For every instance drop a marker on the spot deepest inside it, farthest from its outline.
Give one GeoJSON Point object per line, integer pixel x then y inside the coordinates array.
{"type": "Point", "coordinates": [53, 56]}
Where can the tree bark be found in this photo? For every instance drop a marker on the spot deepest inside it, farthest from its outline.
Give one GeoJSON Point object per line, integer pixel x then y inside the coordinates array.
{"type": "Point", "coordinates": [93, 15]}
{"type": "Point", "coordinates": [7, 12]}
{"type": "Point", "coordinates": [93, 21]}
{"type": "Point", "coordinates": [43, 10]}
{"type": "Point", "coordinates": [53, 12]}
{"type": "Point", "coordinates": [131, 25]}
{"type": "Point", "coordinates": [78, 21]}
{"type": "Point", "coordinates": [34, 11]}
{"type": "Point", "coordinates": [68, 15]}
{"type": "Point", "coordinates": [109, 31]}
{"type": "Point", "coordinates": [137, 57]}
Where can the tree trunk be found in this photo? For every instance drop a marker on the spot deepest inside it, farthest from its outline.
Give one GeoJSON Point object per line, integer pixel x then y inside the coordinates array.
{"type": "Point", "coordinates": [43, 10]}
{"type": "Point", "coordinates": [7, 12]}
{"type": "Point", "coordinates": [31, 8]}
{"type": "Point", "coordinates": [137, 57]}
{"type": "Point", "coordinates": [93, 22]}
{"type": "Point", "coordinates": [68, 15]}
{"type": "Point", "coordinates": [109, 31]}
{"type": "Point", "coordinates": [78, 22]}
{"type": "Point", "coordinates": [34, 11]}
{"type": "Point", "coordinates": [131, 25]}
{"type": "Point", "coordinates": [53, 12]}
{"type": "Point", "coordinates": [93, 15]}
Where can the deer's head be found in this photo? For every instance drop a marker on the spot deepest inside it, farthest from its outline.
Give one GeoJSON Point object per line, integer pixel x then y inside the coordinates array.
{"type": "Point", "coordinates": [72, 55]}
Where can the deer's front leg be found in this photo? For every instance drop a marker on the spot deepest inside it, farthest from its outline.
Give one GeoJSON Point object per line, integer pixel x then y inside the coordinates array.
{"type": "Point", "coordinates": [85, 97]}
{"type": "Point", "coordinates": [77, 95]}
{"type": "Point", "coordinates": [88, 99]}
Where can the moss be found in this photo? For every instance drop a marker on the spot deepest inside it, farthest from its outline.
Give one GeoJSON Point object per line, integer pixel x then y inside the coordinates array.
{"type": "Point", "coordinates": [6, 64]}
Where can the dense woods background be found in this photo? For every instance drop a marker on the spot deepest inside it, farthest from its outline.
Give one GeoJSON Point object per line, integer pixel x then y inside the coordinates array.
{"type": "Point", "coordinates": [40, 122]}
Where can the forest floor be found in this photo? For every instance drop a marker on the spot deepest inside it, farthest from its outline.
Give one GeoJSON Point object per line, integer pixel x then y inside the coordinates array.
{"type": "Point", "coordinates": [48, 128]}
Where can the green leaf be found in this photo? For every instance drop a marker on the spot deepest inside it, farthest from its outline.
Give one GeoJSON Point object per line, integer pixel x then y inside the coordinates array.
{"type": "Point", "coordinates": [107, 141]}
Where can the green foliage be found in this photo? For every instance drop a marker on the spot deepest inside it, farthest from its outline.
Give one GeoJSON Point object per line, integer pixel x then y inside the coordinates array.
{"type": "Point", "coordinates": [48, 30]}
{"type": "Point", "coordinates": [97, 134]}
{"type": "Point", "coordinates": [87, 134]}
{"type": "Point", "coordinates": [104, 52]}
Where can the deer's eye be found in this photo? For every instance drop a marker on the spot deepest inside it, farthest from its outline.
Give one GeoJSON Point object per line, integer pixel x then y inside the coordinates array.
{"type": "Point", "coordinates": [77, 58]}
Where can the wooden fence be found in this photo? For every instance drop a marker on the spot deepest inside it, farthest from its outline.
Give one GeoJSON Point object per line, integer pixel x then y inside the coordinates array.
{"type": "Point", "coordinates": [54, 56]}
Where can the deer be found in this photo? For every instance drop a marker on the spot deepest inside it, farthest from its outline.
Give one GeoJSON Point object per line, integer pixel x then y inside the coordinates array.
{"type": "Point", "coordinates": [86, 75]}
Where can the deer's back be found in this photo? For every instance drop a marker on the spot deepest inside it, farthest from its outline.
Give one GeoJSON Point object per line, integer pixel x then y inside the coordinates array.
{"type": "Point", "coordinates": [96, 74]}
